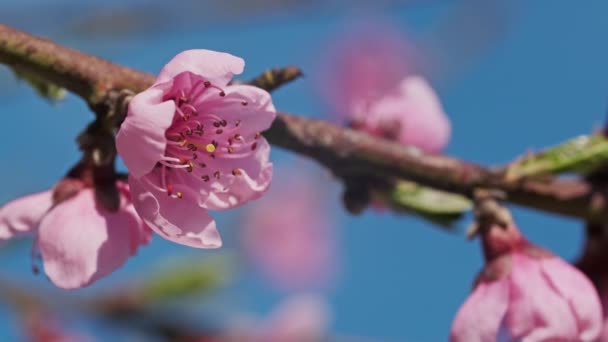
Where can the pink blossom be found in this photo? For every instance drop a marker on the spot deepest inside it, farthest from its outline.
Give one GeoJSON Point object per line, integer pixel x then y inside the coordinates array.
{"type": "Point", "coordinates": [362, 64]}
{"type": "Point", "coordinates": [288, 235]}
{"type": "Point", "coordinates": [79, 241]}
{"type": "Point", "coordinates": [367, 80]}
{"type": "Point", "coordinates": [526, 293]}
{"type": "Point", "coordinates": [412, 115]}
{"type": "Point", "coordinates": [192, 143]}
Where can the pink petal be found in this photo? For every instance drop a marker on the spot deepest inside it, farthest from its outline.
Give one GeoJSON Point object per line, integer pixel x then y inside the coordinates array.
{"type": "Point", "coordinates": [256, 116]}
{"type": "Point", "coordinates": [141, 140]}
{"type": "Point", "coordinates": [363, 64]}
{"type": "Point", "coordinates": [414, 112]}
{"type": "Point", "coordinates": [177, 220]}
{"type": "Point", "coordinates": [81, 242]}
{"type": "Point", "coordinates": [232, 191]}
{"type": "Point", "coordinates": [537, 311]}
{"type": "Point", "coordinates": [143, 235]}
{"type": "Point", "coordinates": [23, 214]}
{"type": "Point", "coordinates": [604, 335]}
{"type": "Point", "coordinates": [217, 67]}
{"type": "Point", "coordinates": [256, 170]}
{"type": "Point", "coordinates": [427, 127]}
{"type": "Point", "coordinates": [479, 318]}
{"type": "Point", "coordinates": [580, 294]}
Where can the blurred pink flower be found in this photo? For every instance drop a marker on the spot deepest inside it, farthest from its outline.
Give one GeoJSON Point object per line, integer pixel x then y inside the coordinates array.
{"type": "Point", "coordinates": [299, 318]}
{"type": "Point", "coordinates": [526, 293]}
{"type": "Point", "coordinates": [411, 115]}
{"type": "Point", "coordinates": [288, 235]}
{"type": "Point", "coordinates": [191, 146]}
{"type": "Point", "coordinates": [79, 241]}
{"type": "Point", "coordinates": [363, 64]}
{"type": "Point", "coordinates": [367, 80]}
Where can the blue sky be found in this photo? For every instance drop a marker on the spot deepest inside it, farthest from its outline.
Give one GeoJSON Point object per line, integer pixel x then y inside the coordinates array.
{"type": "Point", "coordinates": [538, 80]}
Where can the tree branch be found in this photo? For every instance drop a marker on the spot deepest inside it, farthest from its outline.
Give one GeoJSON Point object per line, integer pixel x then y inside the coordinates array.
{"type": "Point", "coordinates": [345, 151]}
{"type": "Point", "coordinates": [88, 76]}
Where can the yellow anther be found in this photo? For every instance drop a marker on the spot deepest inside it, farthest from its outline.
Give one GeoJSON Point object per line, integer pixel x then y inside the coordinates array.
{"type": "Point", "coordinates": [210, 148]}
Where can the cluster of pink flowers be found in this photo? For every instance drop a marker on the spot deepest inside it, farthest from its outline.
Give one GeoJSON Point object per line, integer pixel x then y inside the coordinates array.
{"type": "Point", "coordinates": [524, 293]}
{"type": "Point", "coordinates": [191, 142]}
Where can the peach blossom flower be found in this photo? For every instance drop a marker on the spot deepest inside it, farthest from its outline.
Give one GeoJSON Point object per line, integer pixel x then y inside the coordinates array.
{"type": "Point", "coordinates": [79, 240]}
{"type": "Point", "coordinates": [367, 80]}
{"type": "Point", "coordinates": [192, 143]}
{"type": "Point", "coordinates": [525, 293]}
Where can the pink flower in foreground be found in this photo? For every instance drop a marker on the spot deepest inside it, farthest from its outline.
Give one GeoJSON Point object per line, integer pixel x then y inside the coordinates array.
{"type": "Point", "coordinates": [300, 318]}
{"type": "Point", "coordinates": [288, 234]}
{"type": "Point", "coordinates": [525, 293]}
{"type": "Point", "coordinates": [79, 241]}
{"type": "Point", "coordinates": [192, 143]}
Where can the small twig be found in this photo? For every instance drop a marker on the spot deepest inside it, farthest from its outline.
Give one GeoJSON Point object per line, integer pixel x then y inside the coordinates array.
{"type": "Point", "coordinates": [272, 79]}
{"type": "Point", "coordinates": [488, 212]}
{"type": "Point", "coordinates": [88, 76]}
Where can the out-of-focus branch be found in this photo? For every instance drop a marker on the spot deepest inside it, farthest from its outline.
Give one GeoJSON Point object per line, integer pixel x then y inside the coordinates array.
{"type": "Point", "coordinates": [345, 151]}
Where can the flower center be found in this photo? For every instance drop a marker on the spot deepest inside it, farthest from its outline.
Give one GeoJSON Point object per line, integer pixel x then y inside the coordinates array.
{"type": "Point", "coordinates": [197, 138]}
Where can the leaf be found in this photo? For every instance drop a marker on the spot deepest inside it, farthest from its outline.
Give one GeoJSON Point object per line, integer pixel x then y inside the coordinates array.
{"type": "Point", "coordinates": [438, 206]}
{"type": "Point", "coordinates": [48, 90]}
{"type": "Point", "coordinates": [580, 155]}
{"type": "Point", "coordinates": [185, 277]}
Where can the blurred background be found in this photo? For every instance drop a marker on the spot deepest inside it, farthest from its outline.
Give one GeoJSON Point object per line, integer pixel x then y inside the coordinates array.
{"type": "Point", "coordinates": [512, 76]}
